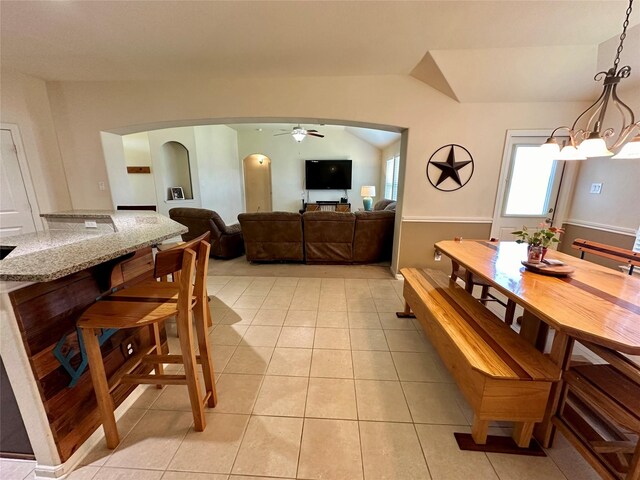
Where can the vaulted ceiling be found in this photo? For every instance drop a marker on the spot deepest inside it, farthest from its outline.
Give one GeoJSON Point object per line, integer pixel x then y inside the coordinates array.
{"type": "Point", "coordinates": [474, 51]}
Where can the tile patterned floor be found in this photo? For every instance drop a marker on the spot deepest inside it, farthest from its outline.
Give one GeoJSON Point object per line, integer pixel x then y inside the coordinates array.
{"type": "Point", "coordinates": [317, 379]}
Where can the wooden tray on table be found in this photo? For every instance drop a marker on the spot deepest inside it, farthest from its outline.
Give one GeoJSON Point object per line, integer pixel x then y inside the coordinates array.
{"type": "Point", "coordinates": [551, 270]}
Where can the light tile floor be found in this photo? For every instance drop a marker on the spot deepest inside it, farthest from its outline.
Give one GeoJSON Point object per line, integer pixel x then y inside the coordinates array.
{"type": "Point", "coordinates": [317, 379]}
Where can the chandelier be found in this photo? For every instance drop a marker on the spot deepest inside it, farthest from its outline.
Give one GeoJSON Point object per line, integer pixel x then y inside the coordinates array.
{"type": "Point", "coordinates": [591, 140]}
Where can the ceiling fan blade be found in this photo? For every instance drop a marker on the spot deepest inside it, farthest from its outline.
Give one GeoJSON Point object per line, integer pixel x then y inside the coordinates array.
{"type": "Point", "coordinates": [315, 134]}
{"type": "Point", "coordinates": [314, 131]}
{"type": "Point", "coordinates": [278, 134]}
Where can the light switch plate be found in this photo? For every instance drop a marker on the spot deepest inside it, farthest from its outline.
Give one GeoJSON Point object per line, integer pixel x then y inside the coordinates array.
{"type": "Point", "coordinates": [596, 188]}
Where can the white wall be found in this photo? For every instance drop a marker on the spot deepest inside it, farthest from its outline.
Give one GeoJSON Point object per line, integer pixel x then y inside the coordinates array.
{"type": "Point", "coordinates": [287, 163]}
{"type": "Point", "coordinates": [25, 103]}
{"type": "Point", "coordinates": [618, 206]}
{"type": "Point", "coordinates": [81, 109]}
{"type": "Point", "coordinates": [220, 171]}
{"type": "Point", "coordinates": [216, 177]}
{"type": "Point", "coordinates": [138, 154]}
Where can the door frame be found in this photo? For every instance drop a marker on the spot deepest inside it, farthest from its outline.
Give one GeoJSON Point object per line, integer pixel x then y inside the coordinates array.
{"type": "Point", "coordinates": [25, 173]}
{"type": "Point", "coordinates": [565, 193]}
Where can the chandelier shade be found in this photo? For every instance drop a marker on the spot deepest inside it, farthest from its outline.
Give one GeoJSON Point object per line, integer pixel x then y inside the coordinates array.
{"type": "Point", "coordinates": [630, 151]}
{"type": "Point", "coordinates": [569, 153]}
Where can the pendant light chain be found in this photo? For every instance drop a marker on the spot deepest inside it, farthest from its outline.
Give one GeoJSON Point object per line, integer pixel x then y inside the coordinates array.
{"type": "Point", "coordinates": [623, 35]}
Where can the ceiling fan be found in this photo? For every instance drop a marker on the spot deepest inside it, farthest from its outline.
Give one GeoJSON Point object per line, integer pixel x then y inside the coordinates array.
{"type": "Point", "coordinates": [298, 133]}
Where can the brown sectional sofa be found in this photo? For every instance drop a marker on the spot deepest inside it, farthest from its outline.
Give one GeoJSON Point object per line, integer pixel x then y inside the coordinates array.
{"type": "Point", "coordinates": [272, 236]}
{"type": "Point", "coordinates": [373, 238]}
{"type": "Point", "coordinates": [320, 237]}
{"type": "Point", "coordinates": [328, 237]}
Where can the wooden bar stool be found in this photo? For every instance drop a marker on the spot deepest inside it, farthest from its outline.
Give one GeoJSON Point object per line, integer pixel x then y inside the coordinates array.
{"type": "Point", "coordinates": [148, 304]}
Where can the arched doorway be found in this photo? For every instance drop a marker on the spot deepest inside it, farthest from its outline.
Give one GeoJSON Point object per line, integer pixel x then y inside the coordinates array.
{"type": "Point", "coordinates": [257, 183]}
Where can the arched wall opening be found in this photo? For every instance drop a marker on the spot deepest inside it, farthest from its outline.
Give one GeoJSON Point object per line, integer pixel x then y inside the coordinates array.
{"type": "Point", "coordinates": [199, 175]}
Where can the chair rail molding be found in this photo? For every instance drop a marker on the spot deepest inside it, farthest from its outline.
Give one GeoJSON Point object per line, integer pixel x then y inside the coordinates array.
{"type": "Point", "coordinates": [433, 219]}
{"type": "Point", "coordinates": [601, 226]}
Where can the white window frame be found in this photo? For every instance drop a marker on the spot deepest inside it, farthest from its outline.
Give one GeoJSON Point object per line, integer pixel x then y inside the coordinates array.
{"type": "Point", "coordinates": [391, 184]}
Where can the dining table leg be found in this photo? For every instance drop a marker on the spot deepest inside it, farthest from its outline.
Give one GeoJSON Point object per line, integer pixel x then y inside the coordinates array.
{"type": "Point", "coordinates": [560, 354]}
{"type": "Point", "coordinates": [534, 330]}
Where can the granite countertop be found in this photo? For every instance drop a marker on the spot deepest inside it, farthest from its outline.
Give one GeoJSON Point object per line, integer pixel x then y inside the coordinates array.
{"type": "Point", "coordinates": [52, 254]}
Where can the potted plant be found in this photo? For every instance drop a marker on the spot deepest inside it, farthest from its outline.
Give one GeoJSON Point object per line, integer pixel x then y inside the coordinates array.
{"type": "Point", "coordinates": [539, 240]}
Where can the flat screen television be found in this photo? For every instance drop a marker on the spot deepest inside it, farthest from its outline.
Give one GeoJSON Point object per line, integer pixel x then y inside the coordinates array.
{"type": "Point", "coordinates": [327, 174]}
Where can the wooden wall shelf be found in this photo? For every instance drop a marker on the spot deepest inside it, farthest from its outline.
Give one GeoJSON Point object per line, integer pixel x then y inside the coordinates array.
{"type": "Point", "coordinates": [138, 169]}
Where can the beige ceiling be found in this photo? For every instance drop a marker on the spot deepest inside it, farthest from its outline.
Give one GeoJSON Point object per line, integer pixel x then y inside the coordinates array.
{"type": "Point", "coordinates": [480, 51]}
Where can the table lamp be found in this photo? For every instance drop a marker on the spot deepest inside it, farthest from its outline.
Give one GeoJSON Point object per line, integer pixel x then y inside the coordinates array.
{"type": "Point", "coordinates": [367, 192]}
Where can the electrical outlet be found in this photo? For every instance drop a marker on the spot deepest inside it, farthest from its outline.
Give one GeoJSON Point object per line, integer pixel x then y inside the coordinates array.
{"type": "Point", "coordinates": [128, 348]}
{"type": "Point", "coordinates": [101, 186]}
{"type": "Point", "coordinates": [596, 188]}
{"type": "Point", "coordinates": [90, 224]}
{"type": "Point", "coordinates": [437, 256]}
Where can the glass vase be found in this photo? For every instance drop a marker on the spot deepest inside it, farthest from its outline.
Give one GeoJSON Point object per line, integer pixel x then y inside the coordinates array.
{"type": "Point", "coordinates": [534, 254]}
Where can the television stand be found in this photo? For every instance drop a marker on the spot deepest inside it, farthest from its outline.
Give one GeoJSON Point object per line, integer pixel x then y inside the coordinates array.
{"type": "Point", "coordinates": [325, 206]}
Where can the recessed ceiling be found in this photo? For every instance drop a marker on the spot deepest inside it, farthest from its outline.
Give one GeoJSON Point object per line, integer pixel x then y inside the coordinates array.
{"type": "Point", "coordinates": [155, 40]}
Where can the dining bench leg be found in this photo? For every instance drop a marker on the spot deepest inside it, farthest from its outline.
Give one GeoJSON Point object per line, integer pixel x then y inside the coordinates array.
{"type": "Point", "coordinates": [406, 313]}
{"type": "Point", "coordinates": [522, 432]}
{"type": "Point", "coordinates": [479, 430]}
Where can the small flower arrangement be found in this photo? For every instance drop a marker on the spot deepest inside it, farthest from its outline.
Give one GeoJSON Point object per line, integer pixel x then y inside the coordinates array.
{"type": "Point", "coordinates": [544, 236]}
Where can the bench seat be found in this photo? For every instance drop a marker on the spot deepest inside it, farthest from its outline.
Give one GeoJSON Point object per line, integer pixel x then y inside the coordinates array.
{"type": "Point", "coordinates": [501, 375]}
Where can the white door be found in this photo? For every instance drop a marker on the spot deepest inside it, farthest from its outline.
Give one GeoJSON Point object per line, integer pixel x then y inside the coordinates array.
{"type": "Point", "coordinates": [529, 189]}
{"type": "Point", "coordinates": [15, 209]}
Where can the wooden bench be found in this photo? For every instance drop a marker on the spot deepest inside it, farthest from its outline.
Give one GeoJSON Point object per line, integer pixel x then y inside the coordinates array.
{"type": "Point", "coordinates": [628, 257]}
{"type": "Point", "coordinates": [501, 375]}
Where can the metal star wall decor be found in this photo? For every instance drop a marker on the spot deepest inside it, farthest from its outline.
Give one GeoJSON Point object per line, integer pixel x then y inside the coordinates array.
{"type": "Point", "coordinates": [453, 171]}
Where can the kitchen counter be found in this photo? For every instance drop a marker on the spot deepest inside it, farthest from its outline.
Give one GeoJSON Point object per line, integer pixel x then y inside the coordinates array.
{"type": "Point", "coordinates": [57, 252]}
{"type": "Point", "coordinates": [46, 282]}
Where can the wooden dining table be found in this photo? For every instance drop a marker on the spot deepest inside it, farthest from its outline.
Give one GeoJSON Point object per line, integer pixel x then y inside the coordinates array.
{"type": "Point", "coordinates": [593, 304]}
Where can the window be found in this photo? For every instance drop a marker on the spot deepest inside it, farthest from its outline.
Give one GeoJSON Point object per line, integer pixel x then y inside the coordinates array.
{"type": "Point", "coordinates": [532, 179]}
{"type": "Point", "coordinates": [531, 184]}
{"type": "Point", "coordinates": [391, 178]}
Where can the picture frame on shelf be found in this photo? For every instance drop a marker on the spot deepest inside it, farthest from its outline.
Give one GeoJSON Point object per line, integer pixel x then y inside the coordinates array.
{"type": "Point", "coordinates": [177, 193]}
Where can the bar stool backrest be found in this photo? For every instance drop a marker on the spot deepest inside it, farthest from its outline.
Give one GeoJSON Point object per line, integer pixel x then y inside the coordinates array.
{"type": "Point", "coordinates": [170, 261]}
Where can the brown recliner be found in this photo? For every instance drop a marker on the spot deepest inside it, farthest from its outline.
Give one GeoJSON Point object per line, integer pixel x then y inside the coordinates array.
{"type": "Point", "coordinates": [373, 238]}
{"type": "Point", "coordinates": [272, 236]}
{"type": "Point", "coordinates": [328, 237]}
{"type": "Point", "coordinates": [226, 240]}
